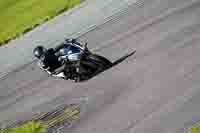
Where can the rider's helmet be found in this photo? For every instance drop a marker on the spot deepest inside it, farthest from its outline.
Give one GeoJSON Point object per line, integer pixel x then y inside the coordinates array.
{"type": "Point", "coordinates": [39, 52]}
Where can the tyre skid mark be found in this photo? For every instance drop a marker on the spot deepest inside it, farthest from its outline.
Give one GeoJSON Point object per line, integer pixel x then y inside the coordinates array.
{"type": "Point", "coordinates": [62, 116]}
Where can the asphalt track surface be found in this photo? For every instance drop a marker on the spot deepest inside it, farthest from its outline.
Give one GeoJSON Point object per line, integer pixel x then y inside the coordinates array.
{"type": "Point", "coordinates": [155, 90]}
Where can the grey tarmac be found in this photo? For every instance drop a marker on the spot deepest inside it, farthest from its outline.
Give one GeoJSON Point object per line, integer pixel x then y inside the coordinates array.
{"type": "Point", "coordinates": [156, 90]}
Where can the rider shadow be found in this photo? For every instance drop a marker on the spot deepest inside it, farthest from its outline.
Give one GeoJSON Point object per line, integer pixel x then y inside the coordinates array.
{"type": "Point", "coordinates": [118, 61]}
{"type": "Point", "coordinates": [123, 58]}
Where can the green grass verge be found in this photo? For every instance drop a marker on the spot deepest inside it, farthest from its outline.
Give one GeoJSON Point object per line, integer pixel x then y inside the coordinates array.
{"type": "Point", "coordinates": [19, 16]}
{"type": "Point", "coordinates": [194, 129]}
{"type": "Point", "coordinates": [30, 127]}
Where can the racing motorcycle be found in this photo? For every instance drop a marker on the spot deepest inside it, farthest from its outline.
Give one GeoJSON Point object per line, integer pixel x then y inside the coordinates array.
{"type": "Point", "coordinates": [80, 64]}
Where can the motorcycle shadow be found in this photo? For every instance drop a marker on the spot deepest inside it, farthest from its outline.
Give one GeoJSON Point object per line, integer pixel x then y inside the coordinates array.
{"type": "Point", "coordinates": [118, 61]}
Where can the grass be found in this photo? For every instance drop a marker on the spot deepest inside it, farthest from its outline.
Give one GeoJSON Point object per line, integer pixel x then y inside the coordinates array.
{"type": "Point", "coordinates": [194, 129]}
{"type": "Point", "coordinates": [19, 16]}
{"type": "Point", "coordinates": [30, 127]}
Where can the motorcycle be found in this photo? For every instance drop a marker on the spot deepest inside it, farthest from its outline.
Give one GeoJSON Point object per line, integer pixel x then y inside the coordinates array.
{"type": "Point", "coordinates": [79, 64]}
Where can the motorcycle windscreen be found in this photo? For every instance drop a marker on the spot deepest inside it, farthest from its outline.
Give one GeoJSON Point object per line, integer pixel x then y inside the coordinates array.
{"type": "Point", "coordinates": [70, 50]}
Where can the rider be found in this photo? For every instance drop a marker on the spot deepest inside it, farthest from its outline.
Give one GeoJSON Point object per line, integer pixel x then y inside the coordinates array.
{"type": "Point", "coordinates": [50, 59]}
